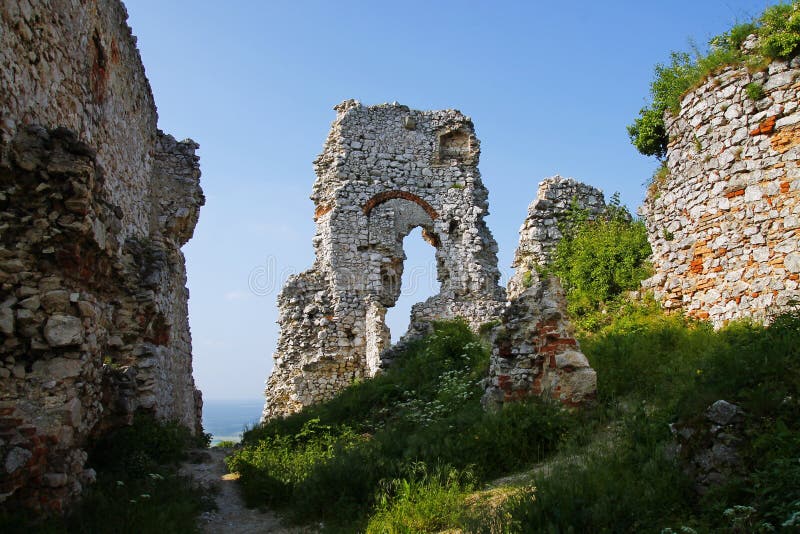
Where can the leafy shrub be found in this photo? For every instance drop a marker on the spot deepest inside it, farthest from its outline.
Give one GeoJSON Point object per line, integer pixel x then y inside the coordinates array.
{"type": "Point", "coordinates": [778, 31]}
{"type": "Point", "coordinates": [272, 468]}
{"type": "Point", "coordinates": [597, 260]}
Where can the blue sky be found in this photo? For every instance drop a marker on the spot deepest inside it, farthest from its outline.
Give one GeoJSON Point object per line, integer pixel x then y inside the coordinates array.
{"type": "Point", "coordinates": [550, 87]}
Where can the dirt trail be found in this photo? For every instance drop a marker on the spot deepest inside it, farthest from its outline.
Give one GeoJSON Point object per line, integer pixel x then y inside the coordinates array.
{"type": "Point", "coordinates": [231, 516]}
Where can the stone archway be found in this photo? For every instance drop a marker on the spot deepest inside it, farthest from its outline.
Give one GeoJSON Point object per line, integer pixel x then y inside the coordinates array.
{"type": "Point", "coordinates": [384, 171]}
{"type": "Point", "coordinates": [391, 217]}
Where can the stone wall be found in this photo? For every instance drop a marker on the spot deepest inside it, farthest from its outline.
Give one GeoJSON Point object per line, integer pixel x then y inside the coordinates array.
{"type": "Point", "coordinates": [95, 204]}
{"type": "Point", "coordinates": [534, 350]}
{"type": "Point", "coordinates": [724, 222]}
{"type": "Point", "coordinates": [384, 170]}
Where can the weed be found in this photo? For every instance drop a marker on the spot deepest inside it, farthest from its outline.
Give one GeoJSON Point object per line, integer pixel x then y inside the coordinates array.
{"type": "Point", "coordinates": [755, 91]}
{"type": "Point", "coordinates": [698, 146]}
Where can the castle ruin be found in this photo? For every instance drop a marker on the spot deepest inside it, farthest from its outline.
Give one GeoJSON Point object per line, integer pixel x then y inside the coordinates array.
{"type": "Point", "coordinates": [723, 218]}
{"type": "Point", "coordinates": [95, 204]}
{"type": "Point", "coordinates": [384, 171]}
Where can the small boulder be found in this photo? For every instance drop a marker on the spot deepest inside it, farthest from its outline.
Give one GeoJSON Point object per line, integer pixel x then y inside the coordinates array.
{"type": "Point", "coordinates": [63, 330]}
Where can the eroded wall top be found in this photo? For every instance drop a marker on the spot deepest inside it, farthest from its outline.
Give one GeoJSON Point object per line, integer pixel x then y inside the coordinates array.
{"type": "Point", "coordinates": [75, 65]}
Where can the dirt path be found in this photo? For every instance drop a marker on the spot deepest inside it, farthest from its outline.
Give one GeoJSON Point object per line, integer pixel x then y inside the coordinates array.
{"type": "Point", "coordinates": [231, 516]}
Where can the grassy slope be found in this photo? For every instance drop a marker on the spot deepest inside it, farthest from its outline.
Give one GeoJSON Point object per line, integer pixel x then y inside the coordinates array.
{"type": "Point", "coordinates": [413, 452]}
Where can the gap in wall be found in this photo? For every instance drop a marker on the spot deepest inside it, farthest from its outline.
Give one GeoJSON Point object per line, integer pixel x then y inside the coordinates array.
{"type": "Point", "coordinates": [418, 282]}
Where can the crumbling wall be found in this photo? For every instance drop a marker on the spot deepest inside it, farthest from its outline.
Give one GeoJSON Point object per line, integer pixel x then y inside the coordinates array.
{"type": "Point", "coordinates": [534, 350]}
{"type": "Point", "coordinates": [724, 220]}
{"type": "Point", "coordinates": [540, 232]}
{"type": "Point", "coordinates": [95, 204]}
{"type": "Point", "coordinates": [384, 170]}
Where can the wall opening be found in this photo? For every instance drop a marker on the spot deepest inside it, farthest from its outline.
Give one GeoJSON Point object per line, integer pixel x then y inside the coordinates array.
{"type": "Point", "coordinates": [419, 281]}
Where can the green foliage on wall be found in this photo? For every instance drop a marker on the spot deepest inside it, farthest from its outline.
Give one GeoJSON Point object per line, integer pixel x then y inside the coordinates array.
{"type": "Point", "coordinates": [778, 31]}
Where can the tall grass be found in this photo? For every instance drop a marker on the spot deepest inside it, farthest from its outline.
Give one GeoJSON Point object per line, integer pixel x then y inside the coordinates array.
{"type": "Point", "coordinates": [654, 370]}
{"type": "Point", "coordinates": [412, 451]}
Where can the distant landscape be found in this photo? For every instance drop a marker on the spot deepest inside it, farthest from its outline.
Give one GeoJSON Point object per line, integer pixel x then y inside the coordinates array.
{"type": "Point", "coordinates": [226, 419]}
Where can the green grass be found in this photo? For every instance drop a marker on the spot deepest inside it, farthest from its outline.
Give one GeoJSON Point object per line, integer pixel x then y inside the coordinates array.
{"type": "Point", "coordinates": [654, 370]}
{"type": "Point", "coordinates": [422, 501]}
{"type": "Point", "coordinates": [329, 462]}
{"type": "Point", "coordinates": [390, 465]}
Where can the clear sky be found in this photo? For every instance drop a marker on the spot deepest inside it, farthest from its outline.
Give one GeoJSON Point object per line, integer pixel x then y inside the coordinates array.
{"type": "Point", "coordinates": [550, 87]}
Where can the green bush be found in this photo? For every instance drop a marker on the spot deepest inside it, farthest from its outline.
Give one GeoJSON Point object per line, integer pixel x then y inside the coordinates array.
{"type": "Point", "coordinates": [283, 461]}
{"type": "Point", "coordinates": [778, 31]}
{"type": "Point", "coordinates": [597, 260]}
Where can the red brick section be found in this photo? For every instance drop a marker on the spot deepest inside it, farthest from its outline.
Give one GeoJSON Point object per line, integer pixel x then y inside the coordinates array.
{"type": "Point", "coordinates": [320, 211]}
{"type": "Point", "coordinates": [786, 138]}
{"type": "Point", "coordinates": [735, 193]}
{"type": "Point", "coordinates": [380, 198]}
{"type": "Point", "coordinates": [550, 341]}
{"type": "Point", "coordinates": [766, 127]}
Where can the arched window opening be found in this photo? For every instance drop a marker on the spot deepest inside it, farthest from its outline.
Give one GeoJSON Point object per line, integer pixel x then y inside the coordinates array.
{"type": "Point", "coordinates": [418, 282]}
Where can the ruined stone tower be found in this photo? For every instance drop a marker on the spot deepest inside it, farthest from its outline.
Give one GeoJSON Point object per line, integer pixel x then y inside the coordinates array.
{"type": "Point", "coordinates": [384, 171]}
{"type": "Point", "coordinates": [95, 204]}
{"type": "Point", "coordinates": [724, 218]}
{"type": "Point", "coordinates": [534, 350]}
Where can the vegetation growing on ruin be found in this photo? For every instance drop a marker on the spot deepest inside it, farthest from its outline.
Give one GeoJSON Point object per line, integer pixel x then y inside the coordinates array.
{"type": "Point", "coordinates": [598, 260]}
{"type": "Point", "coordinates": [138, 490]}
{"type": "Point", "coordinates": [413, 451]}
{"type": "Point", "coordinates": [382, 441]}
{"type": "Point", "coordinates": [654, 370]}
{"type": "Point", "coordinates": [778, 31]}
